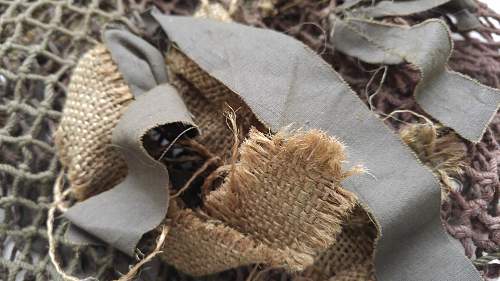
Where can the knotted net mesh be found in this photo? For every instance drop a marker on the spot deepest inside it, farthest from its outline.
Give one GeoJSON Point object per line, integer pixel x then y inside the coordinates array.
{"type": "Point", "coordinates": [41, 41]}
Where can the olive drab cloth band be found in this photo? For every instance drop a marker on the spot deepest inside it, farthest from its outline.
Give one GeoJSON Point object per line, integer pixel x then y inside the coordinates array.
{"type": "Point", "coordinates": [284, 83]}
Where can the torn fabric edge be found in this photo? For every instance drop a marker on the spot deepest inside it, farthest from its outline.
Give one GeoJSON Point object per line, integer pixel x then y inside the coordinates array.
{"type": "Point", "coordinates": [121, 215]}
{"type": "Point", "coordinates": [284, 83]}
{"type": "Point", "coordinates": [397, 8]}
{"type": "Point", "coordinates": [133, 52]}
{"type": "Point", "coordinates": [460, 9]}
{"type": "Point", "coordinates": [454, 99]}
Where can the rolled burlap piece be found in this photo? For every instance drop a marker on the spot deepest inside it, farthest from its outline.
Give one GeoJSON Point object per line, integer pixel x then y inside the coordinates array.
{"type": "Point", "coordinates": [97, 96]}
{"type": "Point", "coordinates": [280, 203]}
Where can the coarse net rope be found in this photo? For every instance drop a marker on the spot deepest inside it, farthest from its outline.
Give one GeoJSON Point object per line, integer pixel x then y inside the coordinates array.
{"type": "Point", "coordinates": [41, 41]}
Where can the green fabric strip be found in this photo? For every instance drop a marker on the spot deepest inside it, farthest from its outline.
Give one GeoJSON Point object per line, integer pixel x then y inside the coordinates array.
{"type": "Point", "coordinates": [397, 8]}
{"type": "Point", "coordinates": [285, 83]}
{"type": "Point", "coordinates": [123, 214]}
{"type": "Point", "coordinates": [454, 99]}
{"type": "Point", "coordinates": [120, 216]}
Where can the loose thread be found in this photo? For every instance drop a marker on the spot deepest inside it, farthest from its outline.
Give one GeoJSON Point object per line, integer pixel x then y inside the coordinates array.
{"type": "Point", "coordinates": [173, 142]}
{"type": "Point", "coordinates": [195, 175]}
{"type": "Point", "coordinates": [231, 116]}
{"type": "Point", "coordinates": [58, 204]}
{"type": "Point", "coordinates": [259, 274]}
{"type": "Point", "coordinates": [198, 147]}
{"type": "Point", "coordinates": [229, 168]}
{"type": "Point", "coordinates": [135, 269]}
{"type": "Point", "coordinates": [390, 115]}
{"type": "Point", "coordinates": [379, 87]}
{"type": "Point", "coordinates": [50, 229]}
{"type": "Point", "coordinates": [213, 159]}
{"type": "Point", "coordinates": [252, 273]}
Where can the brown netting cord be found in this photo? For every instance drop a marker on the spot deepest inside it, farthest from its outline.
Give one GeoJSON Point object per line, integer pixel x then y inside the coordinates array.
{"type": "Point", "coordinates": [40, 42]}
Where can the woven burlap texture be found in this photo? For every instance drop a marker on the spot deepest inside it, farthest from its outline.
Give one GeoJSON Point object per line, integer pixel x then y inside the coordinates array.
{"type": "Point", "coordinates": [208, 101]}
{"type": "Point", "coordinates": [439, 149]}
{"type": "Point", "coordinates": [283, 196]}
{"type": "Point", "coordinates": [281, 203]}
{"type": "Point", "coordinates": [349, 259]}
{"type": "Point", "coordinates": [97, 95]}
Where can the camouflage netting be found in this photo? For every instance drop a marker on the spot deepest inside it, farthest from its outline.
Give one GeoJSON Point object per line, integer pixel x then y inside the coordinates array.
{"type": "Point", "coordinates": [40, 42]}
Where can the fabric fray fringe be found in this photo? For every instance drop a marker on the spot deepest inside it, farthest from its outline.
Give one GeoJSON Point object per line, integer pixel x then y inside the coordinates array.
{"type": "Point", "coordinates": [438, 148]}
{"type": "Point", "coordinates": [282, 204]}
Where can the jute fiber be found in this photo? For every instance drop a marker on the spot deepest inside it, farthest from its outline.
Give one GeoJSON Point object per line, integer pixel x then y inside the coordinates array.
{"type": "Point", "coordinates": [97, 95]}
{"type": "Point", "coordinates": [439, 149]}
{"type": "Point", "coordinates": [237, 205]}
{"type": "Point", "coordinates": [200, 246]}
{"type": "Point", "coordinates": [281, 202]}
{"type": "Point", "coordinates": [436, 146]}
{"type": "Point", "coordinates": [351, 257]}
{"type": "Point", "coordinates": [208, 101]}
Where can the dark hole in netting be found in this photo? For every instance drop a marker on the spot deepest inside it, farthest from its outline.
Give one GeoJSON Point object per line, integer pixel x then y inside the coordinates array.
{"type": "Point", "coordinates": [82, 3]}
{"type": "Point", "coordinates": [32, 34]}
{"type": "Point", "coordinates": [58, 104]}
{"type": "Point", "coordinates": [3, 7]}
{"type": "Point", "coordinates": [21, 215]}
{"type": "Point", "coordinates": [187, 5]}
{"type": "Point", "coordinates": [33, 91]}
{"type": "Point", "coordinates": [18, 9]}
{"type": "Point", "coordinates": [42, 157]}
{"type": "Point", "coordinates": [22, 125]}
{"type": "Point", "coordinates": [177, 7]}
{"type": "Point", "coordinates": [44, 65]}
{"type": "Point", "coordinates": [40, 13]}
{"type": "Point", "coordinates": [14, 59]}
{"type": "Point", "coordinates": [5, 183]}
{"type": "Point", "coordinates": [45, 131]}
{"type": "Point", "coordinates": [71, 19]}
{"type": "Point", "coordinates": [181, 159]}
{"type": "Point", "coordinates": [108, 6]}
{"type": "Point", "coordinates": [59, 43]}
{"type": "Point", "coordinates": [6, 32]}
{"type": "Point", "coordinates": [10, 153]}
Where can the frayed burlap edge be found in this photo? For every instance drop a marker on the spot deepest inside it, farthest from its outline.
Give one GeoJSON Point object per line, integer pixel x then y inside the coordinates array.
{"type": "Point", "coordinates": [302, 171]}
{"type": "Point", "coordinates": [258, 216]}
{"type": "Point", "coordinates": [437, 148]}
